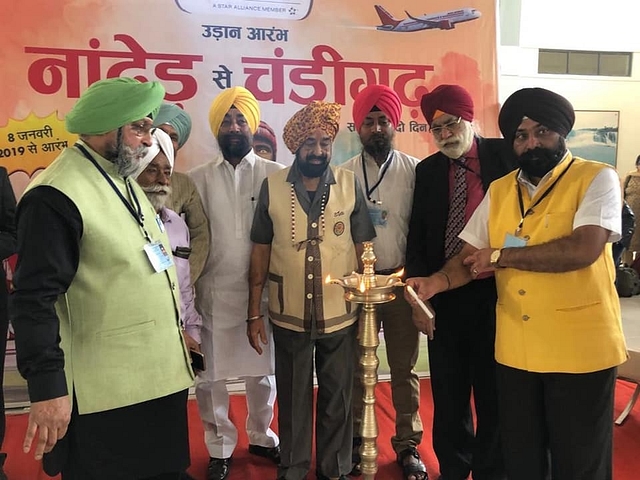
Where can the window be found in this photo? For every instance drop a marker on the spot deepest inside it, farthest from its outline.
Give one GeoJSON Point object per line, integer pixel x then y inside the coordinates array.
{"type": "Point", "coordinates": [572, 62]}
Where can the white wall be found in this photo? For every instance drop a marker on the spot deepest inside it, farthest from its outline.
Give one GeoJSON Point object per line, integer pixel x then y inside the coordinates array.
{"type": "Point", "coordinates": [579, 25]}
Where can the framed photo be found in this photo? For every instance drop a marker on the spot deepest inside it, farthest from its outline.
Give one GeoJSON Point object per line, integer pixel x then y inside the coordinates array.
{"type": "Point", "coordinates": [595, 135]}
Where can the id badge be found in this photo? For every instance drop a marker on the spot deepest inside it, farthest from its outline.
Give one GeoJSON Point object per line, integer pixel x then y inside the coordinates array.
{"type": "Point", "coordinates": [511, 241]}
{"type": "Point", "coordinates": [158, 256]}
{"type": "Point", "coordinates": [378, 217]}
{"type": "Point", "coordinates": [160, 224]}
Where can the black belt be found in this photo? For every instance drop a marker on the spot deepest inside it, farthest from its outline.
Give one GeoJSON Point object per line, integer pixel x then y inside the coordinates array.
{"type": "Point", "coordinates": [389, 271]}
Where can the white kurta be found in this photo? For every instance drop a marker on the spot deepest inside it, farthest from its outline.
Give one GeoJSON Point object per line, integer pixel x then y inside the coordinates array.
{"type": "Point", "coordinates": [229, 197]}
{"type": "Point", "coordinates": [389, 202]}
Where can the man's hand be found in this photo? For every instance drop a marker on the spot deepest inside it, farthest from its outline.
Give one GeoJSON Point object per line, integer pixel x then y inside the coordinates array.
{"type": "Point", "coordinates": [257, 334]}
{"type": "Point", "coordinates": [425, 287]}
{"type": "Point", "coordinates": [479, 262]}
{"type": "Point", "coordinates": [191, 342]}
{"type": "Point", "coordinates": [49, 419]}
{"type": "Point", "coordinates": [422, 322]}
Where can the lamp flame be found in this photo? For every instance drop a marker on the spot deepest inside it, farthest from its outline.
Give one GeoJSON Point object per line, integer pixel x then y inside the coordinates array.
{"type": "Point", "coordinates": [399, 273]}
{"type": "Point", "coordinates": [362, 286]}
{"type": "Point", "coordinates": [328, 279]}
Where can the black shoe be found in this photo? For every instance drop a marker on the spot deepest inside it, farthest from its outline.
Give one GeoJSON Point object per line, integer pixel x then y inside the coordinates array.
{"type": "Point", "coordinates": [271, 453]}
{"type": "Point", "coordinates": [411, 464]}
{"type": "Point", "coordinates": [218, 468]}
{"type": "Point", "coordinates": [183, 476]}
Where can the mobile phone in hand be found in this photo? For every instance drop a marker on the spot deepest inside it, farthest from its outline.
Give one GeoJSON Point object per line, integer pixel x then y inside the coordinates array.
{"type": "Point", "coordinates": [197, 361]}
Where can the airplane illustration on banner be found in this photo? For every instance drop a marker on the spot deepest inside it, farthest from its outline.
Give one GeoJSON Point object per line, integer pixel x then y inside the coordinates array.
{"type": "Point", "coordinates": [443, 20]}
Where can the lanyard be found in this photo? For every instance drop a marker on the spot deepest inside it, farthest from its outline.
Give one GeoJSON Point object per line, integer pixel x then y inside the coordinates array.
{"type": "Point", "coordinates": [137, 215]}
{"type": "Point", "coordinates": [368, 190]}
{"type": "Point", "coordinates": [523, 213]}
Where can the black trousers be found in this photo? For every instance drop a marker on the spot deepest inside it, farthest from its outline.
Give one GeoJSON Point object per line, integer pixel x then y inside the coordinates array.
{"type": "Point", "coordinates": [4, 326]}
{"type": "Point", "coordinates": [557, 425]}
{"type": "Point", "coordinates": [462, 362]}
{"type": "Point", "coordinates": [146, 441]}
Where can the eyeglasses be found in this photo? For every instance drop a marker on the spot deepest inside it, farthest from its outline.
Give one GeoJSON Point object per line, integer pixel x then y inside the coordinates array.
{"type": "Point", "coordinates": [140, 129]}
{"type": "Point", "coordinates": [451, 127]}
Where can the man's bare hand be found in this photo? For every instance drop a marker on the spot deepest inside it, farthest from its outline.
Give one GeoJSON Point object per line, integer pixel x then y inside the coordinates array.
{"type": "Point", "coordinates": [48, 420]}
{"type": "Point", "coordinates": [422, 322]}
{"type": "Point", "coordinates": [257, 334]}
{"type": "Point", "coordinates": [425, 287]}
{"type": "Point", "coordinates": [191, 342]}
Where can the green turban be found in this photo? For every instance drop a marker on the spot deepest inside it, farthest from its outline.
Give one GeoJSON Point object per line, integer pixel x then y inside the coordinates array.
{"type": "Point", "coordinates": [109, 104]}
{"type": "Point", "coordinates": [177, 118]}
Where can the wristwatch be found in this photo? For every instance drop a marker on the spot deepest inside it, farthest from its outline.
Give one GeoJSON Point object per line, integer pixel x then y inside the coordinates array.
{"type": "Point", "coordinates": [495, 258]}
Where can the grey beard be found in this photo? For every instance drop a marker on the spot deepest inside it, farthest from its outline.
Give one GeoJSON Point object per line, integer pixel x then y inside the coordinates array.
{"type": "Point", "coordinates": [157, 199]}
{"type": "Point", "coordinates": [128, 159]}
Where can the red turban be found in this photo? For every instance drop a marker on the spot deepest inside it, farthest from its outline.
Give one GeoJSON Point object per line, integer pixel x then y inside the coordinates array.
{"type": "Point", "coordinates": [379, 96]}
{"type": "Point", "coordinates": [451, 99]}
{"type": "Point", "coordinates": [267, 134]}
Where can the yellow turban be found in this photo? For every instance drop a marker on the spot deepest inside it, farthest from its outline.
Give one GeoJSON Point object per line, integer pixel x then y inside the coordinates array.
{"type": "Point", "coordinates": [315, 116]}
{"type": "Point", "coordinates": [239, 97]}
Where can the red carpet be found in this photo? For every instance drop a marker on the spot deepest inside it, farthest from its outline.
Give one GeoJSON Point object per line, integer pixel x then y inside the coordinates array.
{"type": "Point", "coordinates": [245, 466]}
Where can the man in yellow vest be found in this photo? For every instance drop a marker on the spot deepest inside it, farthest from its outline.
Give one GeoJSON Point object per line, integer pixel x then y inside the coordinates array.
{"type": "Point", "coordinates": [544, 230]}
{"type": "Point", "coordinates": [310, 222]}
{"type": "Point", "coordinates": [96, 302]}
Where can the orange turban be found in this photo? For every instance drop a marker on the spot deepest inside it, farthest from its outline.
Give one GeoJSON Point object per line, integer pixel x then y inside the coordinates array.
{"type": "Point", "coordinates": [381, 96]}
{"type": "Point", "coordinates": [315, 116]}
{"type": "Point", "coordinates": [238, 97]}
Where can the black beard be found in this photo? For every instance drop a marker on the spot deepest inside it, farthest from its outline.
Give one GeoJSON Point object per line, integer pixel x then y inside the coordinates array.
{"type": "Point", "coordinates": [310, 170]}
{"type": "Point", "coordinates": [538, 162]}
{"type": "Point", "coordinates": [234, 150]}
{"type": "Point", "coordinates": [378, 145]}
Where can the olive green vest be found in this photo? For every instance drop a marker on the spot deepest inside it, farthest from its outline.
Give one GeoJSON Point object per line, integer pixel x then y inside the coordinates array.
{"type": "Point", "coordinates": [554, 322]}
{"type": "Point", "coordinates": [119, 320]}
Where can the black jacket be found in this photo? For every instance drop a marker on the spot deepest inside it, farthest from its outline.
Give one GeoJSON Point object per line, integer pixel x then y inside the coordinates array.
{"type": "Point", "coordinates": [7, 230]}
{"type": "Point", "coordinates": [425, 240]}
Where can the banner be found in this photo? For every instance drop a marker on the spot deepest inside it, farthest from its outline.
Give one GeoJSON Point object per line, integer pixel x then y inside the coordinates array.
{"type": "Point", "coordinates": [287, 53]}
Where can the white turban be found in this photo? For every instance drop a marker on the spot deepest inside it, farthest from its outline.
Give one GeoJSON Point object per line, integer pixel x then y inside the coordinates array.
{"type": "Point", "coordinates": [161, 142]}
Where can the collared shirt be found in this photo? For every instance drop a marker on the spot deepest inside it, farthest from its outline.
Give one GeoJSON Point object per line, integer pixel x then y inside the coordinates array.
{"type": "Point", "coordinates": [389, 202]}
{"type": "Point", "coordinates": [601, 206]}
{"type": "Point", "coordinates": [178, 233]}
{"type": "Point", "coordinates": [229, 196]}
{"type": "Point", "coordinates": [475, 190]}
{"type": "Point", "coordinates": [262, 229]}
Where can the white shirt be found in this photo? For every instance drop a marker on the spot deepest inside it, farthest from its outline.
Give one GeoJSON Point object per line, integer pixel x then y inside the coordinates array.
{"type": "Point", "coordinates": [229, 197]}
{"type": "Point", "coordinates": [390, 217]}
{"type": "Point", "coordinates": [601, 206]}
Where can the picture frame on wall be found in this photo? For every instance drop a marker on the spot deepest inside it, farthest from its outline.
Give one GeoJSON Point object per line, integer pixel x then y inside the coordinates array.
{"type": "Point", "coordinates": [595, 135]}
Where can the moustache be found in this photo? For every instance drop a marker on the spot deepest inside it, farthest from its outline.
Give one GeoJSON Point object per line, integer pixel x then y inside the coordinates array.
{"type": "Point", "coordinates": [322, 158]}
{"type": "Point", "coordinates": [157, 189]}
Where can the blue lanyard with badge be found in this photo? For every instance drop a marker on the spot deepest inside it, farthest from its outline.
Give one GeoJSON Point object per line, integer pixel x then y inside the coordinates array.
{"type": "Point", "coordinates": [156, 252]}
{"type": "Point", "coordinates": [515, 240]}
{"type": "Point", "coordinates": [378, 215]}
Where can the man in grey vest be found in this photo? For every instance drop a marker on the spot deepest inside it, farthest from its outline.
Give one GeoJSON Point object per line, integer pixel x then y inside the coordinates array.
{"type": "Point", "coordinates": [96, 304]}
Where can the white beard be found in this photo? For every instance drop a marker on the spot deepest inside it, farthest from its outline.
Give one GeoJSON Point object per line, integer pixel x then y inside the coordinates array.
{"type": "Point", "coordinates": [457, 145]}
